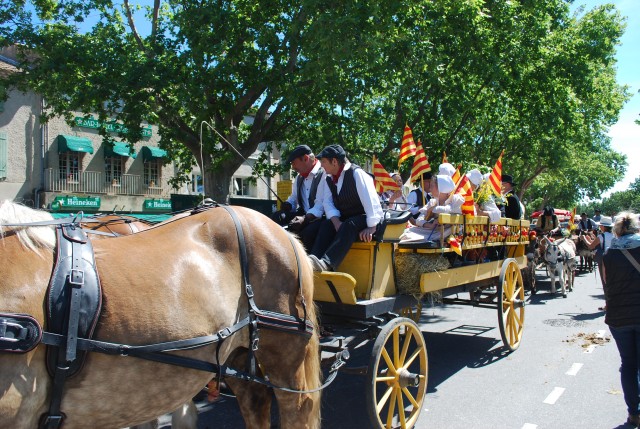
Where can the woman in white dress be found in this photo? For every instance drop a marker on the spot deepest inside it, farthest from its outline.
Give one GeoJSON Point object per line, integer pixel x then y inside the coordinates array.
{"type": "Point", "coordinates": [427, 228]}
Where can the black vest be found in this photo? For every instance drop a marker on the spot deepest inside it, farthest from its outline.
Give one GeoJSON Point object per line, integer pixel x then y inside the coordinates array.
{"type": "Point", "coordinates": [347, 201]}
{"type": "Point", "coordinates": [420, 200]}
{"type": "Point", "coordinates": [312, 191]}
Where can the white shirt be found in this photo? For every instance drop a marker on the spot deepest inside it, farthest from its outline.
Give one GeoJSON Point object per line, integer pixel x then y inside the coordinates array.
{"type": "Point", "coordinates": [306, 189]}
{"type": "Point", "coordinates": [366, 192]}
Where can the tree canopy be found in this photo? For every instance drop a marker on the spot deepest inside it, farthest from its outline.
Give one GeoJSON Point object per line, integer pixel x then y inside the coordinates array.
{"type": "Point", "coordinates": [471, 77]}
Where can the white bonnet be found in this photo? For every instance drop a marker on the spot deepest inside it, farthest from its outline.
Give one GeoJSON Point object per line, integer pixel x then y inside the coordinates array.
{"type": "Point", "coordinates": [446, 168]}
{"type": "Point", "coordinates": [475, 176]}
{"type": "Point", "coordinates": [445, 183]}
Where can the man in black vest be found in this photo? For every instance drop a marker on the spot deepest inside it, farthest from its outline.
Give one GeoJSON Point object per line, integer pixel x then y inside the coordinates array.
{"type": "Point", "coordinates": [299, 211]}
{"type": "Point", "coordinates": [419, 197]}
{"type": "Point", "coordinates": [586, 224]}
{"type": "Point", "coordinates": [512, 208]}
{"type": "Point", "coordinates": [352, 208]}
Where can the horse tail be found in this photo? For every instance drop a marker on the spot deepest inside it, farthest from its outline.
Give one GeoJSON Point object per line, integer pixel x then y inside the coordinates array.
{"type": "Point", "coordinates": [312, 368]}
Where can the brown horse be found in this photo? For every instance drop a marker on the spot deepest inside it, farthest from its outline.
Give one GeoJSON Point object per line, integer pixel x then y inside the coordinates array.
{"type": "Point", "coordinates": [177, 281]}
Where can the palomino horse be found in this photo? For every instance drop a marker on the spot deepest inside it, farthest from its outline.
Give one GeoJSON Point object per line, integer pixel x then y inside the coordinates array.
{"type": "Point", "coordinates": [178, 281]}
{"type": "Point", "coordinates": [559, 257]}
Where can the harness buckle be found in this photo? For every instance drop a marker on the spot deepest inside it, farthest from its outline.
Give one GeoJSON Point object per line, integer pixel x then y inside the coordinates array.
{"type": "Point", "coordinates": [124, 350]}
{"type": "Point", "coordinates": [52, 422]}
{"type": "Point", "coordinates": [224, 333]}
{"type": "Point", "coordinates": [76, 277]}
{"type": "Point", "coordinates": [254, 344]}
{"type": "Point", "coordinates": [249, 291]}
{"type": "Point", "coordinates": [20, 331]}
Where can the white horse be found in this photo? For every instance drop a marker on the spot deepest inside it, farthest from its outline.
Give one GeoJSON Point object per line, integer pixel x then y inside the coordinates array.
{"type": "Point", "coordinates": [559, 256]}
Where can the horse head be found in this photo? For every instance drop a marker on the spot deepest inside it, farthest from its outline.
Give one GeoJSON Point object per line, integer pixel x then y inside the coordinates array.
{"type": "Point", "coordinates": [551, 252]}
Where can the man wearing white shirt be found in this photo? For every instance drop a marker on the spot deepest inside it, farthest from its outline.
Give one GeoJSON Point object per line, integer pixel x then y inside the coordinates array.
{"type": "Point", "coordinates": [351, 205]}
{"type": "Point", "coordinates": [299, 210]}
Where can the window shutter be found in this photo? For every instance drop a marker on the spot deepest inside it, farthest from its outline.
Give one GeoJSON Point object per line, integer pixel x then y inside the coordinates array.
{"type": "Point", "coordinates": [3, 155]}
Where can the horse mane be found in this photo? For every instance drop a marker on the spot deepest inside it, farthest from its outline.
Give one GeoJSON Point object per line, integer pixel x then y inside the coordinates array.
{"type": "Point", "coordinates": [31, 237]}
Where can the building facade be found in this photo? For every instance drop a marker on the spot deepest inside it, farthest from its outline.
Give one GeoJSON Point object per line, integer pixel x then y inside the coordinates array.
{"type": "Point", "coordinates": [67, 168]}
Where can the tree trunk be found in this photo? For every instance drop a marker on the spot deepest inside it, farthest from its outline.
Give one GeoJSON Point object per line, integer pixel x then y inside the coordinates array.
{"type": "Point", "coordinates": [217, 184]}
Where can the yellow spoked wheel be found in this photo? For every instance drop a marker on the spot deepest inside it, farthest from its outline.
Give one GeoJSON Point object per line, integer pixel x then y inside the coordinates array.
{"type": "Point", "coordinates": [412, 312]}
{"type": "Point", "coordinates": [511, 308]}
{"type": "Point", "coordinates": [397, 375]}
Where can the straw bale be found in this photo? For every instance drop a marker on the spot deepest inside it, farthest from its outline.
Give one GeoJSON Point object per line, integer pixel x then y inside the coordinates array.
{"type": "Point", "coordinates": [409, 267]}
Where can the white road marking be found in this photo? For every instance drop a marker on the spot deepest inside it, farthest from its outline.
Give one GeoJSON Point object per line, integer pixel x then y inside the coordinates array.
{"type": "Point", "coordinates": [553, 396]}
{"type": "Point", "coordinates": [529, 426]}
{"type": "Point", "coordinates": [574, 369]}
{"type": "Point", "coordinates": [590, 349]}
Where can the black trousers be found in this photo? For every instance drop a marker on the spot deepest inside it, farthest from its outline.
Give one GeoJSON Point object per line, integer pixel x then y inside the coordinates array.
{"type": "Point", "coordinates": [309, 233]}
{"type": "Point", "coordinates": [332, 246]}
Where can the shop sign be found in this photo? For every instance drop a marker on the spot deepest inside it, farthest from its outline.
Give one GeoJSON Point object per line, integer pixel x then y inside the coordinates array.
{"type": "Point", "coordinates": [157, 204]}
{"type": "Point", "coordinates": [112, 126]}
{"type": "Point", "coordinates": [72, 202]}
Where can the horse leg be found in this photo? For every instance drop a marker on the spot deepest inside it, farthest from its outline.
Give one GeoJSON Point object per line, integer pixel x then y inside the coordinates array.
{"type": "Point", "coordinates": [254, 399]}
{"type": "Point", "coordinates": [552, 277]}
{"type": "Point", "coordinates": [560, 268]}
{"type": "Point", "coordinates": [185, 417]}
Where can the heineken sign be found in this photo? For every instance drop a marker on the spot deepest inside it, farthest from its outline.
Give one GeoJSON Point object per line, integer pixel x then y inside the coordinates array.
{"type": "Point", "coordinates": [71, 202]}
{"type": "Point", "coordinates": [157, 204]}
{"type": "Point", "coordinates": [112, 126]}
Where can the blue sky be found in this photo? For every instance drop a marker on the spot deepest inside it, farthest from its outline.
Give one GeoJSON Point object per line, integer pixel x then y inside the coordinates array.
{"type": "Point", "coordinates": [625, 134]}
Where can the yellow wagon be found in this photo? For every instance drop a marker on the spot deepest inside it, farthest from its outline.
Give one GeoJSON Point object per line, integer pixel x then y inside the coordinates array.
{"type": "Point", "coordinates": [363, 292]}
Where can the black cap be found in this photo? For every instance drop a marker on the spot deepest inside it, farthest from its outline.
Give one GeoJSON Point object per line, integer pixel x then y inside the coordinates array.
{"type": "Point", "coordinates": [333, 151]}
{"type": "Point", "coordinates": [299, 151]}
{"type": "Point", "coordinates": [508, 179]}
{"type": "Point", "coordinates": [425, 176]}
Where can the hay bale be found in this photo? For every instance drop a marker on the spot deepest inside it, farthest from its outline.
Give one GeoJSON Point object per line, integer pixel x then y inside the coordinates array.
{"type": "Point", "coordinates": [409, 267]}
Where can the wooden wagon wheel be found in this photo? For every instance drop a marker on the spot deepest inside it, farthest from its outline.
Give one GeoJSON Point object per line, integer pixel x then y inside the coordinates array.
{"type": "Point", "coordinates": [511, 311]}
{"type": "Point", "coordinates": [397, 375]}
{"type": "Point", "coordinates": [412, 313]}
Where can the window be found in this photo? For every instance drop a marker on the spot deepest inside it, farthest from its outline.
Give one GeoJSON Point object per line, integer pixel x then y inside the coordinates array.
{"type": "Point", "coordinates": [152, 170]}
{"type": "Point", "coordinates": [243, 187]}
{"type": "Point", "coordinates": [113, 169]}
{"type": "Point", "coordinates": [3, 155]}
{"type": "Point", "coordinates": [69, 166]}
{"type": "Point", "coordinates": [197, 184]}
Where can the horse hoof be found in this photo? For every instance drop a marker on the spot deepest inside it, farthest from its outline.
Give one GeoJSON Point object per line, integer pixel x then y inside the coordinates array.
{"type": "Point", "coordinates": [564, 295]}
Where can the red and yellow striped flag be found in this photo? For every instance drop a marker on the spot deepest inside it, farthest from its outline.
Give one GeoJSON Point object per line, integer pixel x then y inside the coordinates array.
{"type": "Point", "coordinates": [467, 193]}
{"type": "Point", "coordinates": [456, 176]}
{"type": "Point", "coordinates": [454, 244]}
{"type": "Point", "coordinates": [383, 179]}
{"type": "Point", "coordinates": [495, 179]}
{"type": "Point", "coordinates": [408, 146]}
{"type": "Point", "coordinates": [420, 163]}
{"type": "Point", "coordinates": [444, 157]}
{"type": "Point", "coordinates": [573, 215]}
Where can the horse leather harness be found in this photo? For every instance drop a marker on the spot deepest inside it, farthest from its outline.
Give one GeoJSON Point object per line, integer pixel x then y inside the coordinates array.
{"type": "Point", "coordinates": [74, 301]}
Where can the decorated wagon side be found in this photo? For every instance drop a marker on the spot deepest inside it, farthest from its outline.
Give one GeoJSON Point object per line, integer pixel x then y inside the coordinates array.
{"type": "Point", "coordinates": [380, 281]}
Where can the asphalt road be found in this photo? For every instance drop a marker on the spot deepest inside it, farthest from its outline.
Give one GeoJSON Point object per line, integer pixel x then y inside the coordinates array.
{"type": "Point", "coordinates": [564, 375]}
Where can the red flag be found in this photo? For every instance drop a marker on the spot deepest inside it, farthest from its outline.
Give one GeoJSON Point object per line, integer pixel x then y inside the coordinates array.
{"type": "Point", "coordinates": [444, 157]}
{"type": "Point", "coordinates": [383, 180]}
{"type": "Point", "coordinates": [420, 163]}
{"type": "Point", "coordinates": [465, 190]}
{"type": "Point", "coordinates": [408, 147]}
{"type": "Point", "coordinates": [495, 179]}
{"type": "Point", "coordinates": [454, 244]}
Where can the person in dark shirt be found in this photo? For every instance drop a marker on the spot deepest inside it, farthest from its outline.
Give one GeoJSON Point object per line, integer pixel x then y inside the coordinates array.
{"type": "Point", "coordinates": [622, 294]}
{"type": "Point", "coordinates": [511, 209]}
{"type": "Point", "coordinates": [352, 209]}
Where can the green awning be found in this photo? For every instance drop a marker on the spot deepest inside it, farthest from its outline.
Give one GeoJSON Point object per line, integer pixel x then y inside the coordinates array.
{"type": "Point", "coordinates": [120, 149]}
{"type": "Point", "coordinates": [149, 153]}
{"type": "Point", "coordinates": [74, 144]}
